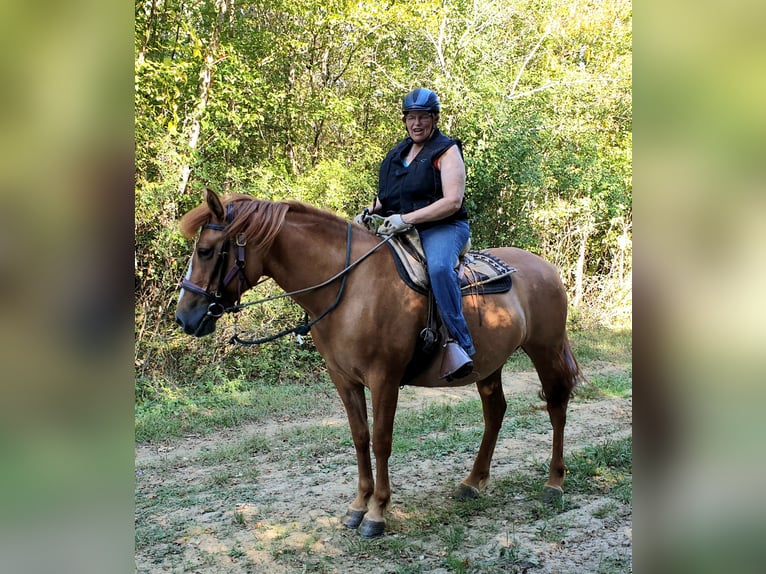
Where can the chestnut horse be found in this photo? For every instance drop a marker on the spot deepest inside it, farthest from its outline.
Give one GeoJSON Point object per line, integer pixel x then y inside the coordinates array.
{"type": "Point", "coordinates": [370, 323]}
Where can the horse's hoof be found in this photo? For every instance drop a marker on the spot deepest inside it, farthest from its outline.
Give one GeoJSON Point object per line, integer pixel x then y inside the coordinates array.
{"type": "Point", "coordinates": [372, 528]}
{"type": "Point", "coordinates": [552, 494]}
{"type": "Point", "coordinates": [466, 492]}
{"type": "Point", "coordinates": [353, 518]}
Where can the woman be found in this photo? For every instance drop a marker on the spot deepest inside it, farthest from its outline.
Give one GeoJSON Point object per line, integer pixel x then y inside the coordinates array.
{"type": "Point", "coordinates": [422, 184]}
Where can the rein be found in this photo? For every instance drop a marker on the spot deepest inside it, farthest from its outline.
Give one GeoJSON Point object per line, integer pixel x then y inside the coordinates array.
{"type": "Point", "coordinates": [319, 285]}
{"type": "Point", "coordinates": [304, 328]}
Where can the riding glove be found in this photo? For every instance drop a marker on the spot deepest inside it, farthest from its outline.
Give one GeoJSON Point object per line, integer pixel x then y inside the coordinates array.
{"type": "Point", "coordinates": [360, 219]}
{"type": "Point", "coordinates": [393, 224]}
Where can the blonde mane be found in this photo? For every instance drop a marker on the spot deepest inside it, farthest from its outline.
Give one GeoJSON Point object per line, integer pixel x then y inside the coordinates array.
{"type": "Point", "coordinates": [259, 220]}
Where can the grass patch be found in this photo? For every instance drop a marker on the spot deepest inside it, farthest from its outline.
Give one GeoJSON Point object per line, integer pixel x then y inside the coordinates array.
{"type": "Point", "coordinates": [438, 417]}
{"type": "Point", "coordinates": [221, 478]}
{"type": "Point", "coordinates": [316, 441]}
{"type": "Point", "coordinates": [244, 387]}
{"type": "Point", "coordinates": [552, 531]}
{"type": "Point", "coordinates": [438, 429]}
{"type": "Point", "coordinates": [151, 534]}
{"type": "Point", "coordinates": [602, 344]}
{"type": "Point", "coordinates": [614, 565]}
{"type": "Point", "coordinates": [618, 385]}
{"type": "Point", "coordinates": [236, 453]}
{"type": "Point", "coordinates": [605, 510]}
{"type": "Point", "coordinates": [407, 569]}
{"type": "Point", "coordinates": [194, 410]}
{"type": "Point", "coordinates": [602, 469]}
{"type": "Point", "coordinates": [615, 385]}
{"type": "Point", "coordinates": [438, 445]}
{"type": "Point", "coordinates": [519, 362]}
{"type": "Point", "coordinates": [524, 416]}
{"type": "Point", "coordinates": [453, 536]}
{"type": "Point", "coordinates": [522, 491]}
{"type": "Point", "coordinates": [444, 429]}
{"type": "Point", "coordinates": [520, 413]}
{"type": "Point", "coordinates": [456, 564]}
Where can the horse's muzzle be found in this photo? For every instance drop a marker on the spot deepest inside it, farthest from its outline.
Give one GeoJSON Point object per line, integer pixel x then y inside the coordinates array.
{"type": "Point", "coordinates": [197, 323]}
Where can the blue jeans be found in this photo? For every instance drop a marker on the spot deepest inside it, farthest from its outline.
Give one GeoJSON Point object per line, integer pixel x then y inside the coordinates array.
{"type": "Point", "coordinates": [442, 245]}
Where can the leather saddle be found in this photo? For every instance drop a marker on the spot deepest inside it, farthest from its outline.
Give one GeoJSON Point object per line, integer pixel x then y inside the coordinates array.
{"type": "Point", "coordinates": [479, 271]}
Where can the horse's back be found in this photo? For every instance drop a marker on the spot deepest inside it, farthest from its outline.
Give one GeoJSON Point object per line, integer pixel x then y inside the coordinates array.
{"type": "Point", "coordinates": [538, 288]}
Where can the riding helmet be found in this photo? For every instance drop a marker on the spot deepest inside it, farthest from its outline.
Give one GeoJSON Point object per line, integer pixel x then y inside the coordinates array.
{"type": "Point", "coordinates": [421, 99]}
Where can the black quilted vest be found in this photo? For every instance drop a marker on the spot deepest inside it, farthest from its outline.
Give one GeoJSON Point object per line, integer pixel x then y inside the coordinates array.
{"type": "Point", "coordinates": [405, 189]}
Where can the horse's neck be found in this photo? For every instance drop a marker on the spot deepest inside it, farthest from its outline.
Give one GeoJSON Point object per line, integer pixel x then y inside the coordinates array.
{"type": "Point", "coordinates": [303, 256]}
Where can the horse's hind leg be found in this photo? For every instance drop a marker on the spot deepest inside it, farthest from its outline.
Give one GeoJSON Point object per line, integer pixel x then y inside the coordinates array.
{"type": "Point", "coordinates": [493, 406]}
{"type": "Point", "coordinates": [559, 373]}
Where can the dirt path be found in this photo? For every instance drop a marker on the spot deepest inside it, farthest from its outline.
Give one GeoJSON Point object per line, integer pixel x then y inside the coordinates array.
{"type": "Point", "coordinates": [262, 498]}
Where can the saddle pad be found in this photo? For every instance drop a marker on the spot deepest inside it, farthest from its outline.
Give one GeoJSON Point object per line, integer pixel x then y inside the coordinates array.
{"type": "Point", "coordinates": [480, 272]}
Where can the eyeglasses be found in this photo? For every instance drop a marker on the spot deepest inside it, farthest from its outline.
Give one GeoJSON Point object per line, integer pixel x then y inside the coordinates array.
{"type": "Point", "coordinates": [414, 118]}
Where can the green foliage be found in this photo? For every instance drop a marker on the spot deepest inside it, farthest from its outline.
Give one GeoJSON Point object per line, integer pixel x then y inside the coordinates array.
{"type": "Point", "coordinates": [301, 100]}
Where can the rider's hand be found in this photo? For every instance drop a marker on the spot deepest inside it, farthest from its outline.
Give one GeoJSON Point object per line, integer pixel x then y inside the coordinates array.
{"type": "Point", "coordinates": [393, 224]}
{"type": "Point", "coordinates": [362, 218]}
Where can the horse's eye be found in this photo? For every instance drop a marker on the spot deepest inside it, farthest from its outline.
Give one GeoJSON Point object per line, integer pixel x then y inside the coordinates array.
{"type": "Point", "coordinates": [204, 252]}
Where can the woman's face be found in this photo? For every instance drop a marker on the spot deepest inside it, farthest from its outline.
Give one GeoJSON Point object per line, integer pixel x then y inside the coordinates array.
{"type": "Point", "coordinates": [419, 125]}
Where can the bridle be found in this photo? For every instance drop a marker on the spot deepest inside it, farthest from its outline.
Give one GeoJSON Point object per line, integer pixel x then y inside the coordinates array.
{"type": "Point", "coordinates": [217, 306]}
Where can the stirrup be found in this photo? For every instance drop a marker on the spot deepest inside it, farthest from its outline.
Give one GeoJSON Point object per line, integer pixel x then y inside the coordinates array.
{"type": "Point", "coordinates": [456, 363]}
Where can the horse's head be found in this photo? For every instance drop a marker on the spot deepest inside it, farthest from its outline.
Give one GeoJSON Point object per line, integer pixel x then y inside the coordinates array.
{"type": "Point", "coordinates": [216, 276]}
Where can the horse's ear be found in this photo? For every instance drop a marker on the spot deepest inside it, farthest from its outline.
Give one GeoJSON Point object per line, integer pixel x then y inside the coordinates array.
{"type": "Point", "coordinates": [214, 203]}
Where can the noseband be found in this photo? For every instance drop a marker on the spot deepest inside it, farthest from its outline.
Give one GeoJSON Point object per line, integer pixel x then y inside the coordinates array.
{"type": "Point", "coordinates": [217, 307]}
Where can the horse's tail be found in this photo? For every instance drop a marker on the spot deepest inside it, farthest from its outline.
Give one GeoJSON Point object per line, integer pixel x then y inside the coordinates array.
{"type": "Point", "coordinates": [576, 375]}
{"type": "Point", "coordinates": [566, 371]}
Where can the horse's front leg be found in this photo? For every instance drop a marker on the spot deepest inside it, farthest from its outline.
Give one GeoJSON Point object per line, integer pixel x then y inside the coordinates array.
{"type": "Point", "coordinates": [352, 395]}
{"type": "Point", "coordinates": [384, 399]}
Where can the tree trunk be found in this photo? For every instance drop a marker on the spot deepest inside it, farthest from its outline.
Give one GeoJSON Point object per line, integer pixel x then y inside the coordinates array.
{"type": "Point", "coordinates": [580, 267]}
{"type": "Point", "coordinates": [147, 33]}
{"type": "Point", "coordinates": [205, 81]}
